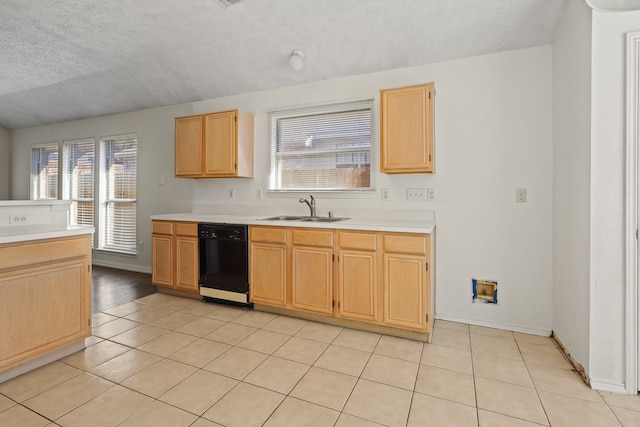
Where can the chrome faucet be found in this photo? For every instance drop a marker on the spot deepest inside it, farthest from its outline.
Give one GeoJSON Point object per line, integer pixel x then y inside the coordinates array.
{"type": "Point", "coordinates": [312, 204]}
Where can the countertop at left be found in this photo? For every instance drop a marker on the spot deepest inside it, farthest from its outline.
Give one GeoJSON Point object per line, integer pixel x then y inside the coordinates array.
{"type": "Point", "coordinates": [23, 233]}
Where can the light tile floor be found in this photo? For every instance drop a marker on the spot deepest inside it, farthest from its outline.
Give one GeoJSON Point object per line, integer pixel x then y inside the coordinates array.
{"type": "Point", "coordinates": [169, 361]}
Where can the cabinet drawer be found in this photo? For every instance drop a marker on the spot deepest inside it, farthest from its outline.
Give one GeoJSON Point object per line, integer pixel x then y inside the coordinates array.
{"type": "Point", "coordinates": [187, 229]}
{"type": "Point", "coordinates": [162, 227]}
{"type": "Point", "coordinates": [410, 244]}
{"type": "Point", "coordinates": [268, 234]}
{"type": "Point", "coordinates": [364, 241]}
{"type": "Point", "coordinates": [313, 238]}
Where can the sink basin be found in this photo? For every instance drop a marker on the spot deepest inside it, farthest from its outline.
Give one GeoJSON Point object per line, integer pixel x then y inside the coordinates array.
{"type": "Point", "coordinates": [323, 219]}
{"type": "Point", "coordinates": [283, 218]}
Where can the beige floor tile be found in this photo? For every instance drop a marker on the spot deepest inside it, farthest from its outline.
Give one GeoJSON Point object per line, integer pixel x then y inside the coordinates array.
{"type": "Point", "coordinates": [346, 420]}
{"type": "Point", "coordinates": [199, 352]}
{"type": "Point", "coordinates": [203, 422]}
{"type": "Point", "coordinates": [325, 388]}
{"type": "Point", "coordinates": [501, 369]}
{"type": "Point", "coordinates": [5, 403]}
{"type": "Point", "coordinates": [391, 371]}
{"type": "Point", "coordinates": [167, 344]}
{"type": "Point", "coordinates": [359, 340]}
{"type": "Point", "coordinates": [447, 358]}
{"type": "Point", "coordinates": [255, 319]}
{"type": "Point", "coordinates": [28, 385]}
{"type": "Point", "coordinates": [159, 414]}
{"type": "Point", "coordinates": [380, 403]}
{"type": "Point", "coordinates": [627, 417]}
{"type": "Point", "coordinates": [170, 302]}
{"type": "Point", "coordinates": [492, 419]}
{"type": "Point", "coordinates": [98, 319]}
{"type": "Point", "coordinates": [565, 411]}
{"type": "Point", "coordinates": [89, 341]}
{"type": "Point", "coordinates": [301, 350]}
{"type": "Point", "coordinates": [200, 326]}
{"type": "Point", "coordinates": [510, 399]}
{"type": "Point", "coordinates": [294, 412]}
{"type": "Point", "coordinates": [125, 365]}
{"type": "Point", "coordinates": [95, 355]}
{"type": "Point", "coordinates": [451, 338]}
{"type": "Point", "coordinates": [67, 396]}
{"type": "Point", "coordinates": [319, 332]}
{"type": "Point", "coordinates": [431, 411]}
{"type": "Point", "coordinates": [113, 328]}
{"type": "Point", "coordinates": [124, 309]}
{"type": "Point", "coordinates": [561, 381]}
{"type": "Point", "coordinates": [446, 384]}
{"type": "Point", "coordinates": [493, 346]}
{"type": "Point", "coordinates": [20, 416]}
{"type": "Point", "coordinates": [158, 378]}
{"type": "Point", "coordinates": [139, 335]}
{"type": "Point", "coordinates": [231, 333]}
{"type": "Point", "coordinates": [491, 332]}
{"type": "Point", "coordinates": [285, 325]}
{"type": "Point", "coordinates": [106, 410]}
{"type": "Point", "coordinates": [147, 313]}
{"type": "Point", "coordinates": [543, 355]}
{"type": "Point", "coordinates": [225, 313]}
{"type": "Point", "coordinates": [199, 392]}
{"type": "Point", "coordinates": [342, 359]}
{"type": "Point", "coordinates": [244, 406]}
{"type": "Point", "coordinates": [236, 362]}
{"type": "Point", "coordinates": [263, 341]}
{"type": "Point", "coordinates": [399, 348]}
{"type": "Point", "coordinates": [622, 400]}
{"type": "Point", "coordinates": [533, 339]}
{"type": "Point", "coordinates": [197, 307]}
{"type": "Point", "coordinates": [173, 320]}
{"type": "Point", "coordinates": [277, 374]}
{"type": "Point", "coordinates": [454, 326]}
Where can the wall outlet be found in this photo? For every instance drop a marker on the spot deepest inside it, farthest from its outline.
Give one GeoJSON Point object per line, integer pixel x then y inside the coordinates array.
{"type": "Point", "coordinates": [415, 194]}
{"type": "Point", "coordinates": [141, 246]}
{"type": "Point", "coordinates": [231, 193]}
{"type": "Point", "coordinates": [521, 195]}
{"type": "Point", "coordinates": [384, 194]}
{"type": "Point", "coordinates": [431, 194]}
{"type": "Point", "coordinates": [259, 194]}
{"type": "Point", "coordinates": [18, 219]}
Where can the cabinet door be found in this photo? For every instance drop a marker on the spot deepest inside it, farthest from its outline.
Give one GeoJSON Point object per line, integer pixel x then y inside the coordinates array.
{"type": "Point", "coordinates": [162, 254]}
{"type": "Point", "coordinates": [220, 143]}
{"type": "Point", "coordinates": [405, 300]}
{"type": "Point", "coordinates": [312, 279]}
{"type": "Point", "coordinates": [357, 285]}
{"type": "Point", "coordinates": [406, 130]}
{"type": "Point", "coordinates": [187, 266]}
{"type": "Point", "coordinates": [189, 146]}
{"type": "Point", "coordinates": [267, 273]}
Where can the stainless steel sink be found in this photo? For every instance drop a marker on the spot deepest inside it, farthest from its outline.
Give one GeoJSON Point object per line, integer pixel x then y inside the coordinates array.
{"type": "Point", "coordinates": [284, 218]}
{"type": "Point", "coordinates": [323, 219]}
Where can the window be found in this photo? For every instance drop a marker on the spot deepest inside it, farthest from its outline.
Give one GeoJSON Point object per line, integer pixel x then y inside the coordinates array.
{"type": "Point", "coordinates": [44, 172]}
{"type": "Point", "coordinates": [77, 184]}
{"type": "Point", "coordinates": [118, 190]}
{"type": "Point", "coordinates": [323, 148]}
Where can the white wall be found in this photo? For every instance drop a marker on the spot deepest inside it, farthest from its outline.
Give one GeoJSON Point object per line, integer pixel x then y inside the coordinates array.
{"type": "Point", "coordinates": [571, 178]}
{"type": "Point", "coordinates": [493, 135]}
{"type": "Point", "coordinates": [5, 150]}
{"type": "Point", "coordinates": [607, 343]}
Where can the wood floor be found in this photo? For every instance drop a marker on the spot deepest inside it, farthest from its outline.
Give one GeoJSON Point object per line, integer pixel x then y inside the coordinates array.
{"type": "Point", "coordinates": [113, 287]}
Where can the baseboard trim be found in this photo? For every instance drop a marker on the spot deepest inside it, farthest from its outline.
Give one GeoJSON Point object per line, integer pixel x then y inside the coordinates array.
{"type": "Point", "coordinates": [506, 327]}
{"type": "Point", "coordinates": [609, 387]}
{"type": "Point", "coordinates": [582, 373]}
{"type": "Point", "coordinates": [122, 266]}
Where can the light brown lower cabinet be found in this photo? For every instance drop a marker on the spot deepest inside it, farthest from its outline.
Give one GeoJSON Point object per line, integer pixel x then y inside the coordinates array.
{"type": "Point", "coordinates": [175, 263]}
{"type": "Point", "coordinates": [45, 297]}
{"type": "Point", "coordinates": [373, 278]}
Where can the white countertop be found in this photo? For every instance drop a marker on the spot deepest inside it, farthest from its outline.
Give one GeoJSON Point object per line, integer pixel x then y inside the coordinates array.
{"type": "Point", "coordinates": [399, 224]}
{"type": "Point", "coordinates": [20, 233]}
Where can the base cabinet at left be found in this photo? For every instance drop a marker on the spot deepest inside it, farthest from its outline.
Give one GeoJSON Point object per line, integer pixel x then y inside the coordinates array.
{"type": "Point", "coordinates": [175, 263]}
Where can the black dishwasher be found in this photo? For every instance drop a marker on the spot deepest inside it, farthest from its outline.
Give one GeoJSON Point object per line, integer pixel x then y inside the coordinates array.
{"type": "Point", "coordinates": [224, 264]}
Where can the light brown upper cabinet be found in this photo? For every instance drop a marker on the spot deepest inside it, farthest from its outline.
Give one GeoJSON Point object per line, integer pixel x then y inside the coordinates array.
{"type": "Point", "coordinates": [406, 129]}
{"type": "Point", "coordinates": [215, 145]}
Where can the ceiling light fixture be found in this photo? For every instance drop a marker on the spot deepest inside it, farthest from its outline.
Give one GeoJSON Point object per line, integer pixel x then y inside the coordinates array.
{"type": "Point", "coordinates": [296, 60]}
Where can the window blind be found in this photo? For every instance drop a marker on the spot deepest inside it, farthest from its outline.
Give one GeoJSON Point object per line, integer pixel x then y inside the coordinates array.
{"type": "Point", "coordinates": [44, 172]}
{"type": "Point", "coordinates": [78, 180]}
{"type": "Point", "coordinates": [119, 178]}
{"type": "Point", "coordinates": [323, 148]}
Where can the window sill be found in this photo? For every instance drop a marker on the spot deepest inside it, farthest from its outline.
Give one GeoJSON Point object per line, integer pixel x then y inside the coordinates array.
{"type": "Point", "coordinates": [320, 194]}
{"type": "Point", "coordinates": [130, 254]}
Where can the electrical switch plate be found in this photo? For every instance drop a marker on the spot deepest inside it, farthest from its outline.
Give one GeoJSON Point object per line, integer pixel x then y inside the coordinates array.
{"type": "Point", "coordinates": [415, 194]}
{"type": "Point", "coordinates": [431, 194]}
{"type": "Point", "coordinates": [521, 195]}
{"type": "Point", "coordinates": [384, 194]}
{"type": "Point", "coordinates": [231, 193]}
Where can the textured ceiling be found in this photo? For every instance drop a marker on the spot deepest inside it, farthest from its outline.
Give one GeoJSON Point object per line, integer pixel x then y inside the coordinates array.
{"type": "Point", "coordinates": [62, 60]}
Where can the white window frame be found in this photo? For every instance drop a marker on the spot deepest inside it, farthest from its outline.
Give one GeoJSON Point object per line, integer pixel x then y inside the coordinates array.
{"type": "Point", "coordinates": [275, 181]}
{"type": "Point", "coordinates": [35, 178]}
{"type": "Point", "coordinates": [70, 186]}
{"type": "Point", "coordinates": [105, 201]}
